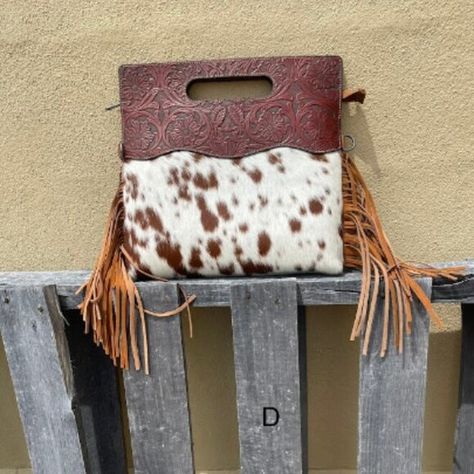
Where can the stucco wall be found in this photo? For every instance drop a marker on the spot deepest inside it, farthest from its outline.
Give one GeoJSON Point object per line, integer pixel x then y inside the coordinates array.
{"type": "Point", "coordinates": [415, 140]}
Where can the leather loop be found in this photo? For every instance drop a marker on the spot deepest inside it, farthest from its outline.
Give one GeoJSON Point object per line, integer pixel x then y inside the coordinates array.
{"type": "Point", "coordinates": [354, 95]}
{"type": "Point", "coordinates": [121, 153]}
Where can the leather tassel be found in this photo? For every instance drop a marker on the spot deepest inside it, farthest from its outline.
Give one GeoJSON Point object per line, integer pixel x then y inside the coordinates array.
{"type": "Point", "coordinates": [367, 248]}
{"type": "Point", "coordinates": [112, 307]}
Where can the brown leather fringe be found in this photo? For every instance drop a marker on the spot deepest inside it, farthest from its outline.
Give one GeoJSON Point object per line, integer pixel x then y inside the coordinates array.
{"type": "Point", "coordinates": [113, 309]}
{"type": "Point", "coordinates": [366, 248]}
{"type": "Point", "coordinates": [112, 306]}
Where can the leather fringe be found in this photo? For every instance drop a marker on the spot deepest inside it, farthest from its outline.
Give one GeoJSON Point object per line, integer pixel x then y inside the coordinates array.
{"type": "Point", "coordinates": [112, 307]}
{"type": "Point", "coordinates": [367, 248]}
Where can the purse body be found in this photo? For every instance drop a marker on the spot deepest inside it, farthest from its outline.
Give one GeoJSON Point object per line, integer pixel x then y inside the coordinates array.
{"type": "Point", "coordinates": [233, 187]}
{"type": "Point", "coordinates": [242, 187]}
{"type": "Point", "coordinates": [277, 211]}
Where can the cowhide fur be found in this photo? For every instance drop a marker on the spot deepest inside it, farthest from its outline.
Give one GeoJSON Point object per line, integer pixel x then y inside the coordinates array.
{"type": "Point", "coordinates": [277, 211]}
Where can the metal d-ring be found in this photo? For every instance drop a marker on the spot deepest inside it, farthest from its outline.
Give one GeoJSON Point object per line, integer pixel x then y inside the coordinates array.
{"type": "Point", "coordinates": [352, 141]}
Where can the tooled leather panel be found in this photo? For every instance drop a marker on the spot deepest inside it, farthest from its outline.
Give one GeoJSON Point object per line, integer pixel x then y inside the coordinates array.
{"type": "Point", "coordinates": [302, 111]}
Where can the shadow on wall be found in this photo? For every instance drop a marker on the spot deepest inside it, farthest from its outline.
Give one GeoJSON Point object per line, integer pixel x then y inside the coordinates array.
{"type": "Point", "coordinates": [13, 452]}
{"type": "Point", "coordinates": [442, 389]}
{"type": "Point", "coordinates": [333, 380]}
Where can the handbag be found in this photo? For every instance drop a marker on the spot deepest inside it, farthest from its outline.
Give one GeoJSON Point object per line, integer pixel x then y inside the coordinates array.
{"type": "Point", "coordinates": [240, 187]}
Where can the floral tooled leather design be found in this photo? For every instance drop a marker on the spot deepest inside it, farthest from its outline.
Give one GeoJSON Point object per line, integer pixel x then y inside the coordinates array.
{"type": "Point", "coordinates": [302, 111]}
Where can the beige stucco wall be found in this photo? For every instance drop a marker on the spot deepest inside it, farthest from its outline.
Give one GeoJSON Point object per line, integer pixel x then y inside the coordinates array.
{"type": "Point", "coordinates": [415, 139]}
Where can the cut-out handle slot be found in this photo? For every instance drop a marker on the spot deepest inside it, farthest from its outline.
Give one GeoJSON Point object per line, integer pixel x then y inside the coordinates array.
{"type": "Point", "coordinates": [233, 88]}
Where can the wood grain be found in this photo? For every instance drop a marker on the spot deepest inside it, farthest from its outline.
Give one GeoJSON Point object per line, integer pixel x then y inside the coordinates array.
{"type": "Point", "coordinates": [267, 357]}
{"type": "Point", "coordinates": [32, 330]}
{"type": "Point", "coordinates": [391, 389]}
{"type": "Point", "coordinates": [157, 404]}
{"type": "Point", "coordinates": [392, 399]}
{"type": "Point", "coordinates": [312, 289]}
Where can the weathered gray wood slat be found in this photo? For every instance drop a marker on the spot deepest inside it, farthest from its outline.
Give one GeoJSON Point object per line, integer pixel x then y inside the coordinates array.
{"type": "Point", "coordinates": [464, 436]}
{"type": "Point", "coordinates": [392, 400]}
{"type": "Point", "coordinates": [312, 289]}
{"type": "Point", "coordinates": [97, 403]}
{"type": "Point", "coordinates": [266, 357]}
{"type": "Point", "coordinates": [57, 421]}
{"type": "Point", "coordinates": [157, 404]}
{"type": "Point", "coordinates": [35, 344]}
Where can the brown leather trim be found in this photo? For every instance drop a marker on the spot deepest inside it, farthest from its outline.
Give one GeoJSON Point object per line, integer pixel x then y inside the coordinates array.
{"type": "Point", "coordinates": [303, 111]}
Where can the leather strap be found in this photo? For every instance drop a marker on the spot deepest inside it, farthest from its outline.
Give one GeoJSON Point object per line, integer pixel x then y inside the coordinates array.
{"type": "Point", "coordinates": [353, 95]}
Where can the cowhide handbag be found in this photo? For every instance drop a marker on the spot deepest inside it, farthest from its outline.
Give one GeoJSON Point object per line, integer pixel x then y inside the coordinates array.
{"type": "Point", "coordinates": [239, 187]}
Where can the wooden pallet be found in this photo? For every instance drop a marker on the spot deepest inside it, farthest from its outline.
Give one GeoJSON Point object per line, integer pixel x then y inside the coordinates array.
{"type": "Point", "coordinates": [69, 402]}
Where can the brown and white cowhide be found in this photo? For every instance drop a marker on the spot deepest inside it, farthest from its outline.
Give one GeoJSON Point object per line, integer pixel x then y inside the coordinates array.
{"type": "Point", "coordinates": [277, 211]}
